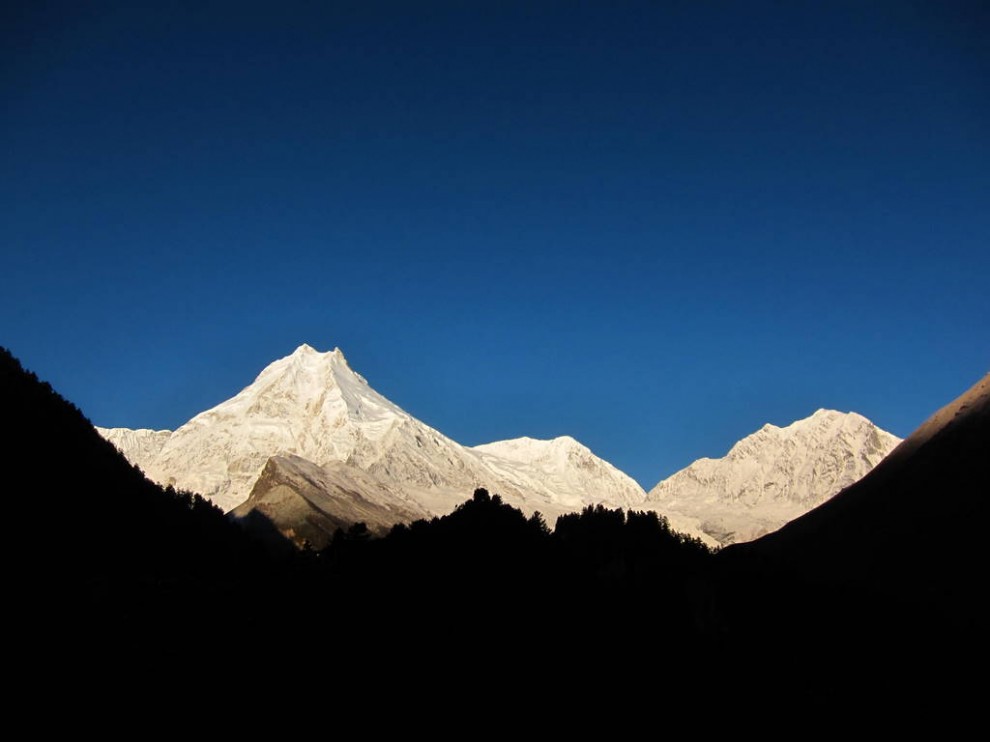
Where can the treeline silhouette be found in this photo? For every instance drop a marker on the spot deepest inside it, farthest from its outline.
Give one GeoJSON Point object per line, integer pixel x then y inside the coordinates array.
{"type": "Point", "coordinates": [488, 559]}
{"type": "Point", "coordinates": [495, 541]}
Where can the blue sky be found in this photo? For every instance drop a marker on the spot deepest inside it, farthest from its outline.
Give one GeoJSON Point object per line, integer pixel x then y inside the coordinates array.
{"type": "Point", "coordinates": [652, 226]}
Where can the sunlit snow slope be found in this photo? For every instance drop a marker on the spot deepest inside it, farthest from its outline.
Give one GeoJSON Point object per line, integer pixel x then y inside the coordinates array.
{"type": "Point", "coordinates": [319, 431]}
{"type": "Point", "coordinates": [774, 475]}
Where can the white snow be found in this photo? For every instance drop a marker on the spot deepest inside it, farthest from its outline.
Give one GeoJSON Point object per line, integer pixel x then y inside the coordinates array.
{"type": "Point", "coordinates": [774, 475]}
{"type": "Point", "coordinates": [562, 466]}
{"type": "Point", "coordinates": [313, 406]}
{"type": "Point", "coordinates": [140, 446]}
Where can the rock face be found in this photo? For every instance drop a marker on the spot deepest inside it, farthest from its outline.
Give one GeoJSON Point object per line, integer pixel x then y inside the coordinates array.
{"type": "Point", "coordinates": [310, 426]}
{"type": "Point", "coordinates": [308, 503]}
{"type": "Point", "coordinates": [774, 475]}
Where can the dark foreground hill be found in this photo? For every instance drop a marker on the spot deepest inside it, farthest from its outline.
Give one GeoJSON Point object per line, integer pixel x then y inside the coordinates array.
{"type": "Point", "coordinates": [91, 516]}
{"type": "Point", "coordinates": [101, 559]}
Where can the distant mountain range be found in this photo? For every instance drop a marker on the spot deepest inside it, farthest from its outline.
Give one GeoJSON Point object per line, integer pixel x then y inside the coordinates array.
{"type": "Point", "coordinates": [310, 445]}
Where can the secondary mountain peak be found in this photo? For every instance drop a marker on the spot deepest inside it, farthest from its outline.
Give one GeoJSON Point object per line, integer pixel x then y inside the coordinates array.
{"type": "Point", "coordinates": [528, 449]}
{"type": "Point", "coordinates": [305, 349]}
{"type": "Point", "coordinates": [823, 416]}
{"type": "Point", "coordinates": [775, 474]}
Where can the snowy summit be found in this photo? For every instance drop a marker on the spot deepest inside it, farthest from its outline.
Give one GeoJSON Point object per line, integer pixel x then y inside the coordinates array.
{"type": "Point", "coordinates": [774, 475]}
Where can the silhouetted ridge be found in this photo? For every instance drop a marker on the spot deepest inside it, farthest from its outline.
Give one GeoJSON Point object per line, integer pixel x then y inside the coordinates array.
{"type": "Point", "coordinates": [96, 507]}
{"type": "Point", "coordinates": [488, 559]}
{"type": "Point", "coordinates": [113, 566]}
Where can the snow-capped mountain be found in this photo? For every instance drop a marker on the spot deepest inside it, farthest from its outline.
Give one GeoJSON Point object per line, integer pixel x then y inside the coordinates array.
{"type": "Point", "coordinates": [310, 405]}
{"type": "Point", "coordinates": [562, 469]}
{"type": "Point", "coordinates": [774, 475]}
{"type": "Point", "coordinates": [310, 435]}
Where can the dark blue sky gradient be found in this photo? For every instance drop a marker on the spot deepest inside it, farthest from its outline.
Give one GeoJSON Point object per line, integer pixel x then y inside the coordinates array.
{"type": "Point", "coordinates": [652, 226]}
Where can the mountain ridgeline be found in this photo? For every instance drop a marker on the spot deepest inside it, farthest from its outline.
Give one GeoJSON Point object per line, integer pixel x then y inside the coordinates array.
{"type": "Point", "coordinates": [312, 447]}
{"type": "Point", "coordinates": [143, 570]}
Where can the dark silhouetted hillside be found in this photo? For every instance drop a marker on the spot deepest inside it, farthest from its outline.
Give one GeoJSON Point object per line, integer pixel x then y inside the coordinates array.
{"type": "Point", "coordinates": [96, 518]}
{"type": "Point", "coordinates": [892, 564]}
{"type": "Point", "coordinates": [111, 568]}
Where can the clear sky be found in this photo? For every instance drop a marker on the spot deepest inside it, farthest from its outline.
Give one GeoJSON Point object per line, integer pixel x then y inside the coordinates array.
{"type": "Point", "coordinates": [654, 226]}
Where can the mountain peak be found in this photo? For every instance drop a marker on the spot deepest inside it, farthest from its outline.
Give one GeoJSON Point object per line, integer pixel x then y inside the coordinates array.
{"type": "Point", "coordinates": [308, 404]}
{"type": "Point", "coordinates": [822, 415]}
{"type": "Point", "coordinates": [308, 351]}
{"type": "Point", "coordinates": [775, 474]}
{"type": "Point", "coordinates": [306, 366]}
